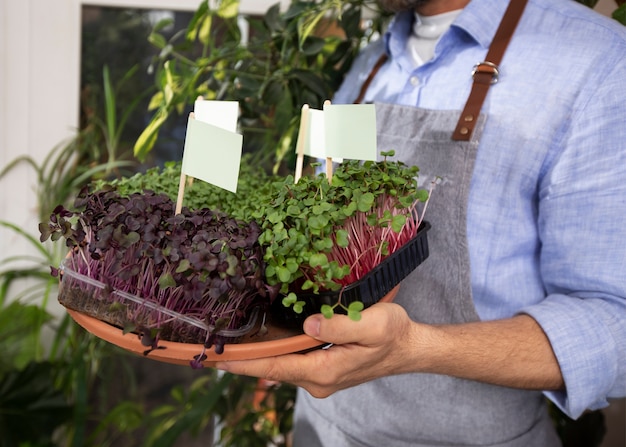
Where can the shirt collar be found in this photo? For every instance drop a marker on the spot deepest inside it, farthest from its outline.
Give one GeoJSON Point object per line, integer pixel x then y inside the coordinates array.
{"type": "Point", "coordinates": [479, 21]}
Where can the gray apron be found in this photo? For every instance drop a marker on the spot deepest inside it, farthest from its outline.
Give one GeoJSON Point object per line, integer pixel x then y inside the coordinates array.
{"type": "Point", "coordinates": [428, 409]}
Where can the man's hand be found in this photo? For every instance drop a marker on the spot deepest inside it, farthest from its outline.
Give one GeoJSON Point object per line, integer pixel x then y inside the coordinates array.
{"type": "Point", "coordinates": [375, 346]}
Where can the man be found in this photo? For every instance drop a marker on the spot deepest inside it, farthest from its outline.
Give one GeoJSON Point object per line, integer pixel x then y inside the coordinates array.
{"type": "Point", "coordinates": [524, 293]}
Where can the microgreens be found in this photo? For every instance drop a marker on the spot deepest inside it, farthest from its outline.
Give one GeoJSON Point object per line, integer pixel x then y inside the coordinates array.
{"type": "Point", "coordinates": [199, 263]}
{"type": "Point", "coordinates": [321, 236]}
{"type": "Point", "coordinates": [214, 262]}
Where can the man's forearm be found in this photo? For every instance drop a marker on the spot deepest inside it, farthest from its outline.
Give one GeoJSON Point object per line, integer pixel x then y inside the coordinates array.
{"type": "Point", "coordinates": [514, 352]}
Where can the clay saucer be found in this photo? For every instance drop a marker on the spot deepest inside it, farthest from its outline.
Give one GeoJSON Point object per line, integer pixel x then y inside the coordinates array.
{"type": "Point", "coordinates": [275, 341]}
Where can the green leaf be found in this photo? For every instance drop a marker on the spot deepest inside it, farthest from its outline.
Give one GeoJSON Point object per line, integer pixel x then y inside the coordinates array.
{"type": "Point", "coordinates": [289, 300]}
{"type": "Point", "coordinates": [356, 306]}
{"type": "Point", "coordinates": [166, 280]}
{"type": "Point", "coordinates": [183, 266]}
{"type": "Point", "coordinates": [272, 18]}
{"type": "Point", "coordinates": [295, 10]}
{"type": "Point", "coordinates": [351, 22]}
{"type": "Point", "coordinates": [292, 265]}
{"type": "Point", "coordinates": [350, 209]}
{"type": "Point", "coordinates": [354, 310]}
{"type": "Point", "coordinates": [354, 315]}
{"type": "Point", "coordinates": [317, 223]}
{"type": "Point", "coordinates": [280, 234]}
{"type": "Point", "coordinates": [204, 30]}
{"type": "Point", "coordinates": [162, 24]}
{"type": "Point", "coordinates": [228, 9]}
{"type": "Point", "coordinates": [283, 273]}
{"type": "Point", "coordinates": [233, 262]}
{"type": "Point", "coordinates": [189, 418]}
{"type": "Point", "coordinates": [124, 417]}
{"type": "Point", "coordinates": [307, 25]}
{"type": "Point", "coordinates": [422, 195]}
{"type": "Point", "coordinates": [365, 202]}
{"type": "Point", "coordinates": [342, 238]}
{"type": "Point", "coordinates": [318, 260]}
{"type": "Point", "coordinates": [298, 307]}
{"type": "Point", "coordinates": [372, 220]}
{"type": "Point", "coordinates": [192, 27]}
{"type": "Point", "coordinates": [323, 245]}
{"type": "Point", "coordinates": [131, 238]}
{"type": "Point", "coordinates": [312, 81]}
{"type": "Point", "coordinates": [308, 284]}
{"type": "Point", "coordinates": [274, 217]}
{"type": "Point", "coordinates": [293, 210]}
{"type": "Point", "coordinates": [19, 336]}
{"type": "Point", "coordinates": [313, 45]}
{"type": "Point", "coordinates": [157, 40]}
{"type": "Point", "coordinates": [327, 311]}
{"type": "Point", "coordinates": [155, 101]}
{"type": "Point", "coordinates": [398, 222]}
{"type": "Point", "coordinates": [147, 139]}
{"type": "Point", "coordinates": [129, 327]}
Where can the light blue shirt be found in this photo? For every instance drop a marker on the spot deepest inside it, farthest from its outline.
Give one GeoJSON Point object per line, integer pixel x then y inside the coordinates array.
{"type": "Point", "coordinates": [547, 208]}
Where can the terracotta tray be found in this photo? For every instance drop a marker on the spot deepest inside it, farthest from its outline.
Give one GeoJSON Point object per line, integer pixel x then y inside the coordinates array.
{"type": "Point", "coordinates": [276, 340]}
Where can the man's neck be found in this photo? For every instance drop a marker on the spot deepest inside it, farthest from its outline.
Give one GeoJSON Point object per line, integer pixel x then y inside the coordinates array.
{"type": "Point", "coordinates": [435, 7]}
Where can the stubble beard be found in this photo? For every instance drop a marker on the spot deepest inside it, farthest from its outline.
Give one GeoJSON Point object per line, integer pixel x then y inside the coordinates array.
{"type": "Point", "coordinates": [402, 5]}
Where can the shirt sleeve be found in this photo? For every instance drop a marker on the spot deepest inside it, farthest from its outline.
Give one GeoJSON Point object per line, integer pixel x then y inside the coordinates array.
{"type": "Point", "coordinates": [581, 222]}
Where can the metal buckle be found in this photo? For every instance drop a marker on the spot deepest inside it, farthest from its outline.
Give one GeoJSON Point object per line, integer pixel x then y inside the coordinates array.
{"type": "Point", "coordinates": [492, 69]}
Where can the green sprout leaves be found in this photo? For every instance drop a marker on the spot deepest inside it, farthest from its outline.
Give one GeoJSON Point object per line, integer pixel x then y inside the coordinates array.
{"type": "Point", "coordinates": [320, 236]}
{"type": "Point", "coordinates": [327, 310]}
{"type": "Point", "coordinates": [315, 236]}
{"type": "Point", "coordinates": [353, 310]}
{"type": "Point", "coordinates": [291, 300]}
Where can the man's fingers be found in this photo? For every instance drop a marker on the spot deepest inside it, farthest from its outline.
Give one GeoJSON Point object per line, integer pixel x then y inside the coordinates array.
{"type": "Point", "coordinates": [292, 368]}
{"type": "Point", "coordinates": [342, 330]}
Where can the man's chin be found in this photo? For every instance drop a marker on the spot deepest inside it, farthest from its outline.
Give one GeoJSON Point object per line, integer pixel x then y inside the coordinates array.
{"type": "Point", "coordinates": [402, 5]}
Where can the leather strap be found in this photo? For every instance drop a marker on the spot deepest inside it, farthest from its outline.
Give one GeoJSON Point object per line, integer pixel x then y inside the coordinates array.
{"type": "Point", "coordinates": [379, 63]}
{"type": "Point", "coordinates": [486, 73]}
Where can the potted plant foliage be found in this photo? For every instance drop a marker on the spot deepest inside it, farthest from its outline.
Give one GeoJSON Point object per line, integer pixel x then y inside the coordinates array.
{"type": "Point", "coordinates": [290, 56]}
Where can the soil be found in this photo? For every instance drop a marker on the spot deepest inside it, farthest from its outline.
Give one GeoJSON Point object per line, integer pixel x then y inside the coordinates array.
{"type": "Point", "coordinates": [117, 314]}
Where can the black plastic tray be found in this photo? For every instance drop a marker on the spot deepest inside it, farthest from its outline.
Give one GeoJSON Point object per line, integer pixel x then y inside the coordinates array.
{"type": "Point", "coordinates": [369, 289]}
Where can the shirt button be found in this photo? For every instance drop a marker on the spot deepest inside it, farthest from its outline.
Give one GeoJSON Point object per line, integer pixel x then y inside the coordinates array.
{"type": "Point", "coordinates": [414, 80]}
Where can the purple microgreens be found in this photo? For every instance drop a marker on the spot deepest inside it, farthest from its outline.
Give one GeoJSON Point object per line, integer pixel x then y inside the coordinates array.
{"type": "Point", "coordinates": [196, 363]}
{"type": "Point", "coordinates": [201, 263]}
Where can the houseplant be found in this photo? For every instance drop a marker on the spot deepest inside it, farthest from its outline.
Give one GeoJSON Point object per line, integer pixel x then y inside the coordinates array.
{"type": "Point", "coordinates": [292, 56]}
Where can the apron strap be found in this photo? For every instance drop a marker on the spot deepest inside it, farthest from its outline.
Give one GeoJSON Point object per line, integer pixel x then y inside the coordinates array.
{"type": "Point", "coordinates": [379, 63]}
{"type": "Point", "coordinates": [486, 73]}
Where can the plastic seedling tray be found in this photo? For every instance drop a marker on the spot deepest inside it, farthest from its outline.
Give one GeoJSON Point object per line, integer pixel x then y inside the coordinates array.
{"type": "Point", "coordinates": [94, 298]}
